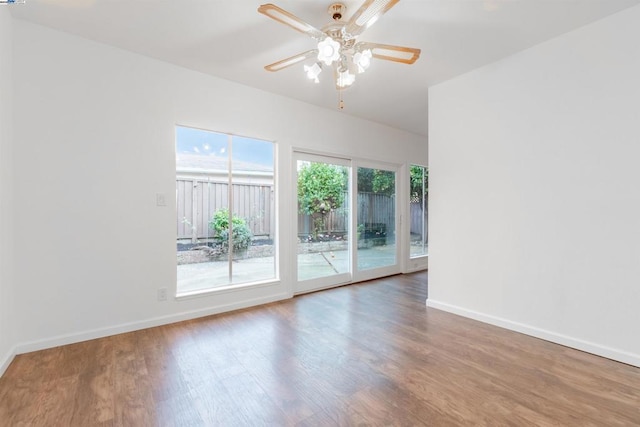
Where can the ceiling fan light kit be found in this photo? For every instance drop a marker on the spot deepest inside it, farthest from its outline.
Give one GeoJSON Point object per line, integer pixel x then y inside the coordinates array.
{"type": "Point", "coordinates": [313, 72]}
{"type": "Point", "coordinates": [337, 45]}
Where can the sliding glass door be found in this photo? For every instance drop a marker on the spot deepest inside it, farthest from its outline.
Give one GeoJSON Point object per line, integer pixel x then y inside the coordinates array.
{"type": "Point", "coordinates": [323, 255]}
{"type": "Point", "coordinates": [346, 221]}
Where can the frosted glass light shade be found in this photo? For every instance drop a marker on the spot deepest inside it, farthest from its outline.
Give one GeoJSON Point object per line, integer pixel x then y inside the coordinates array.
{"type": "Point", "coordinates": [328, 51]}
{"type": "Point", "coordinates": [345, 79]}
{"type": "Point", "coordinates": [362, 60]}
{"type": "Point", "coordinates": [313, 72]}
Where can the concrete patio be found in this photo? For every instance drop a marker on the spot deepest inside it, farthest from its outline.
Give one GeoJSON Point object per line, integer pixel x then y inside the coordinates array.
{"type": "Point", "coordinates": [215, 274]}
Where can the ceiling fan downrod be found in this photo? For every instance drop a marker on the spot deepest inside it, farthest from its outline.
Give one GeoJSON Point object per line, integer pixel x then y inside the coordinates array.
{"type": "Point", "coordinates": [336, 10]}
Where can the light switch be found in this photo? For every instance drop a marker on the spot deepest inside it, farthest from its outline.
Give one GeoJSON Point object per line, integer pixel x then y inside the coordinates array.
{"type": "Point", "coordinates": [161, 199]}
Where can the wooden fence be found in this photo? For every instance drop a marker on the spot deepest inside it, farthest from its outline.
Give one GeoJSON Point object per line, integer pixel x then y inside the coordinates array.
{"type": "Point", "coordinates": [372, 209]}
{"type": "Point", "coordinates": [417, 218]}
{"type": "Point", "coordinates": [199, 199]}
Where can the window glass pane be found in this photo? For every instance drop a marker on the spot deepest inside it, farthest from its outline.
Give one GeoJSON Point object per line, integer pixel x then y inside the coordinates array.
{"type": "Point", "coordinates": [376, 218]}
{"type": "Point", "coordinates": [253, 210]}
{"type": "Point", "coordinates": [323, 219]}
{"type": "Point", "coordinates": [418, 210]}
{"type": "Point", "coordinates": [220, 192]}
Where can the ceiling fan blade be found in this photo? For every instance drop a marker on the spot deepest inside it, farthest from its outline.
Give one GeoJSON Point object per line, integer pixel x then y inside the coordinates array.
{"type": "Point", "coordinates": [368, 14]}
{"type": "Point", "coordinates": [405, 55]}
{"type": "Point", "coordinates": [277, 66]}
{"type": "Point", "coordinates": [284, 17]}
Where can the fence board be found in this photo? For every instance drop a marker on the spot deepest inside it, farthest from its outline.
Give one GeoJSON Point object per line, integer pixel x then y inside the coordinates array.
{"type": "Point", "coordinates": [181, 196]}
{"type": "Point", "coordinates": [417, 218]}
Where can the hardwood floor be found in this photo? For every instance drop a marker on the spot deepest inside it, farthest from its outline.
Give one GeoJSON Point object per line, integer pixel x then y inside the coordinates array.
{"type": "Point", "coordinates": [365, 354]}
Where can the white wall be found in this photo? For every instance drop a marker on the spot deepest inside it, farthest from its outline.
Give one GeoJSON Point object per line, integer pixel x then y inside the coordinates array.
{"type": "Point", "coordinates": [94, 143]}
{"type": "Point", "coordinates": [6, 280]}
{"type": "Point", "coordinates": [535, 190]}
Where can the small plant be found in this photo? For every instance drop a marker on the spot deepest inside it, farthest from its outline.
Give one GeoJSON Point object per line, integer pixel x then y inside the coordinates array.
{"type": "Point", "coordinates": [241, 233]}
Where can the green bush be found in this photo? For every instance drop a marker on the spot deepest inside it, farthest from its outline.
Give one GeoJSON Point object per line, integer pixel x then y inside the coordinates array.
{"type": "Point", "coordinates": [321, 189]}
{"type": "Point", "coordinates": [241, 233]}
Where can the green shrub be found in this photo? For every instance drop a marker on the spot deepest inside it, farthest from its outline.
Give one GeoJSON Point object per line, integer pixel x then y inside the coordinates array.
{"type": "Point", "coordinates": [321, 188]}
{"type": "Point", "coordinates": [241, 233]}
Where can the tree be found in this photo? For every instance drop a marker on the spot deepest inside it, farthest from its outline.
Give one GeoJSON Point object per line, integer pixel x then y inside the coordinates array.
{"type": "Point", "coordinates": [416, 175]}
{"type": "Point", "coordinates": [376, 181]}
{"type": "Point", "coordinates": [321, 189]}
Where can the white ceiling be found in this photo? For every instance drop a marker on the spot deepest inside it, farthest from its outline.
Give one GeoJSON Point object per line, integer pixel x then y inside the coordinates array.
{"type": "Point", "coordinates": [230, 39]}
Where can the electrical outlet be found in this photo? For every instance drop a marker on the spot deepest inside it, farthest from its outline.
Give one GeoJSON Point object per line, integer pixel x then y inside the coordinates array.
{"type": "Point", "coordinates": [162, 294]}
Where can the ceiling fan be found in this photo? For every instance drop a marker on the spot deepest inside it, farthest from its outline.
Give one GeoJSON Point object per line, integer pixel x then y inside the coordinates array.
{"type": "Point", "coordinates": [337, 44]}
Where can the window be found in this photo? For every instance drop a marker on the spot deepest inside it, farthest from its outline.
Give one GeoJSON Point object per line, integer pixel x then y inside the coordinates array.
{"type": "Point", "coordinates": [418, 210]}
{"type": "Point", "coordinates": [225, 210]}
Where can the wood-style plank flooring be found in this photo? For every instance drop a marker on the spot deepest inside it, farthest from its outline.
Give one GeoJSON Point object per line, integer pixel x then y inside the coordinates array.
{"type": "Point", "coordinates": [365, 354]}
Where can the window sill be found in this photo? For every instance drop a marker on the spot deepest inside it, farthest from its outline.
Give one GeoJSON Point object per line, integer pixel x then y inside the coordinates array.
{"type": "Point", "coordinates": [226, 289]}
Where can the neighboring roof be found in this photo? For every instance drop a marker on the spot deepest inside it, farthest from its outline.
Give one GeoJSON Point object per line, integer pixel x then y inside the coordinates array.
{"type": "Point", "coordinates": [200, 162]}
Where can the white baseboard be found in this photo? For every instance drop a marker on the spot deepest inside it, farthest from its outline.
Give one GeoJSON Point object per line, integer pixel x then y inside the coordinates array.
{"type": "Point", "coordinates": [59, 340]}
{"type": "Point", "coordinates": [414, 265]}
{"type": "Point", "coordinates": [589, 347]}
{"type": "Point", "coordinates": [415, 270]}
{"type": "Point", "coordinates": [6, 360]}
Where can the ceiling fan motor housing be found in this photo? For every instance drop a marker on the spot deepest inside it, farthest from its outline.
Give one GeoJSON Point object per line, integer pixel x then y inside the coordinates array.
{"type": "Point", "coordinates": [336, 29]}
